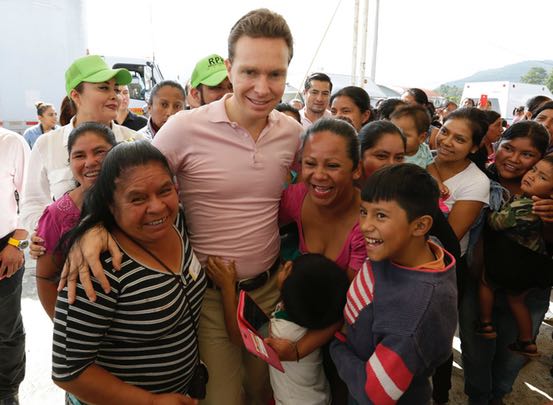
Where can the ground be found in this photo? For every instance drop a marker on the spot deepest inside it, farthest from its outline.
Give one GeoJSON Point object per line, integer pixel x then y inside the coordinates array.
{"type": "Point", "coordinates": [534, 385]}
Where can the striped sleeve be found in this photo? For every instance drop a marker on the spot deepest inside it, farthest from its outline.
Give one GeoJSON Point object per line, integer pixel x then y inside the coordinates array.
{"type": "Point", "coordinates": [385, 377]}
{"type": "Point", "coordinates": [79, 329]}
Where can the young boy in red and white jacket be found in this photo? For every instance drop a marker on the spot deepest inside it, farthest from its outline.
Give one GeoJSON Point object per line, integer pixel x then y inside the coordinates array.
{"type": "Point", "coordinates": [401, 310]}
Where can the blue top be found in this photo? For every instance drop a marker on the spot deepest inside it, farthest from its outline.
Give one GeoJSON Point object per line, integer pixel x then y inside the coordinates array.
{"type": "Point", "coordinates": [32, 134]}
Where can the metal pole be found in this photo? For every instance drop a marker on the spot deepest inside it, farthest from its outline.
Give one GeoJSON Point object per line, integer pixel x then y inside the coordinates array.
{"type": "Point", "coordinates": [375, 40]}
{"type": "Point", "coordinates": [354, 47]}
{"type": "Point", "coordinates": [364, 34]}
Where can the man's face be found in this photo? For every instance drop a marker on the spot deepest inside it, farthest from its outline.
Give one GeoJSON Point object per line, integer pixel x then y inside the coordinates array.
{"type": "Point", "coordinates": [208, 94]}
{"type": "Point", "coordinates": [258, 76]}
{"type": "Point", "coordinates": [125, 97]}
{"type": "Point", "coordinates": [317, 97]}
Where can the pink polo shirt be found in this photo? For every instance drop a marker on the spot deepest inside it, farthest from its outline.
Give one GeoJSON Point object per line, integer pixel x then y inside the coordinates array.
{"type": "Point", "coordinates": [229, 185]}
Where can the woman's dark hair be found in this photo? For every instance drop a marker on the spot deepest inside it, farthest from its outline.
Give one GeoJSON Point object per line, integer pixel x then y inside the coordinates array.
{"type": "Point", "coordinates": [478, 124]}
{"type": "Point", "coordinates": [545, 106]}
{"type": "Point", "coordinates": [162, 84]}
{"type": "Point", "coordinates": [371, 133]}
{"type": "Point", "coordinates": [491, 116]}
{"type": "Point", "coordinates": [359, 97]}
{"type": "Point", "coordinates": [340, 128]}
{"type": "Point", "coordinates": [322, 304]}
{"type": "Point", "coordinates": [66, 111]}
{"type": "Point", "coordinates": [387, 107]}
{"type": "Point", "coordinates": [419, 96]}
{"type": "Point", "coordinates": [42, 107]}
{"type": "Point", "coordinates": [533, 103]}
{"type": "Point", "coordinates": [396, 183]}
{"type": "Point", "coordinates": [101, 130]}
{"type": "Point", "coordinates": [477, 120]}
{"type": "Point", "coordinates": [282, 107]}
{"type": "Point", "coordinates": [536, 132]}
{"type": "Point", "coordinates": [79, 89]}
{"type": "Point", "coordinates": [96, 207]}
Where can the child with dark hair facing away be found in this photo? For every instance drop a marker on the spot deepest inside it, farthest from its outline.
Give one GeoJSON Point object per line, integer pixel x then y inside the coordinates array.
{"type": "Point", "coordinates": [520, 224]}
{"type": "Point", "coordinates": [313, 290]}
{"type": "Point", "coordinates": [401, 310]}
{"type": "Point", "coordinates": [313, 296]}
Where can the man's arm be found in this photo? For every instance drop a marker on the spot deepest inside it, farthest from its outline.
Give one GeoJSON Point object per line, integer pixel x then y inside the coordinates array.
{"type": "Point", "coordinates": [84, 258]}
{"type": "Point", "coordinates": [36, 193]}
{"type": "Point", "coordinates": [11, 257]}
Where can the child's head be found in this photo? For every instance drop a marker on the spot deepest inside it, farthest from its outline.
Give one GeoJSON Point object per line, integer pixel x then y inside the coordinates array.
{"type": "Point", "coordinates": [538, 180]}
{"type": "Point", "coordinates": [382, 144]}
{"type": "Point", "coordinates": [414, 121]}
{"type": "Point", "coordinates": [313, 290]}
{"type": "Point", "coordinates": [397, 209]}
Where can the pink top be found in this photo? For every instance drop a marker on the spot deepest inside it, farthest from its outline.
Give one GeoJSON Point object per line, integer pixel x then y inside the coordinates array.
{"type": "Point", "coordinates": [58, 218]}
{"type": "Point", "coordinates": [353, 253]}
{"type": "Point", "coordinates": [229, 185]}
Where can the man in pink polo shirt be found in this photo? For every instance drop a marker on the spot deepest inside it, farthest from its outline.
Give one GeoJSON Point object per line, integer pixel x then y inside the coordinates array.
{"type": "Point", "coordinates": [231, 159]}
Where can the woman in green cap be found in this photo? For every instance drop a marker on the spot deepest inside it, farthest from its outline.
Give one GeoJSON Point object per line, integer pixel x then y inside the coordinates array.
{"type": "Point", "coordinates": [92, 87]}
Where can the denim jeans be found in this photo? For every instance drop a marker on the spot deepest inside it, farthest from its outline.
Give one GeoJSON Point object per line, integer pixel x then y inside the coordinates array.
{"type": "Point", "coordinates": [490, 368]}
{"type": "Point", "coordinates": [12, 335]}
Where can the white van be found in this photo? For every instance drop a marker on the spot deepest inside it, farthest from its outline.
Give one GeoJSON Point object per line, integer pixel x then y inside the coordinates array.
{"type": "Point", "coordinates": [504, 96]}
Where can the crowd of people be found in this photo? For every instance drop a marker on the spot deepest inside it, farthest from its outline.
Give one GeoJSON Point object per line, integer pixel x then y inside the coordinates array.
{"type": "Point", "coordinates": [367, 234]}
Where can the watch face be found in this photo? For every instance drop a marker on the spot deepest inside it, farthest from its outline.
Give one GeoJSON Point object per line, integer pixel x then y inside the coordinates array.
{"type": "Point", "coordinates": [24, 244]}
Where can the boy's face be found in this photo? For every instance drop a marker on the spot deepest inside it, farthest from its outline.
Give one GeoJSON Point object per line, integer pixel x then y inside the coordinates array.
{"type": "Point", "coordinates": [386, 229]}
{"type": "Point", "coordinates": [414, 139]}
{"type": "Point", "coordinates": [538, 180]}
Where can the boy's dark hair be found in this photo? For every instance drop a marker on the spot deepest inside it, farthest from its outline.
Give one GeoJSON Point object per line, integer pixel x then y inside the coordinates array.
{"type": "Point", "coordinates": [314, 294]}
{"type": "Point", "coordinates": [410, 186]}
{"type": "Point", "coordinates": [418, 114]}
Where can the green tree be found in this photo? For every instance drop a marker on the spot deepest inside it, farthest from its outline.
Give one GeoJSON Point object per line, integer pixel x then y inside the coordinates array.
{"type": "Point", "coordinates": [536, 75]}
{"type": "Point", "coordinates": [549, 81]}
{"type": "Point", "coordinates": [452, 93]}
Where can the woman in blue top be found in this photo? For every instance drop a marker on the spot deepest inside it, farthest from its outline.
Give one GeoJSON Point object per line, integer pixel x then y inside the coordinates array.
{"type": "Point", "coordinates": [47, 119]}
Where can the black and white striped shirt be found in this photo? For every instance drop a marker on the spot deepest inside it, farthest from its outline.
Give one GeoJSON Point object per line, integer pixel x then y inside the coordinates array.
{"type": "Point", "coordinates": [141, 331]}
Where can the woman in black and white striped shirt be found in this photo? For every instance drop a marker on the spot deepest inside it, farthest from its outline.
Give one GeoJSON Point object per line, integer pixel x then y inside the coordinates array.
{"type": "Point", "coordinates": [136, 344]}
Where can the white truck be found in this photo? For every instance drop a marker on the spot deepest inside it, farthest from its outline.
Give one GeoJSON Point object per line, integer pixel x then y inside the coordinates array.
{"type": "Point", "coordinates": [504, 96]}
{"type": "Point", "coordinates": [39, 41]}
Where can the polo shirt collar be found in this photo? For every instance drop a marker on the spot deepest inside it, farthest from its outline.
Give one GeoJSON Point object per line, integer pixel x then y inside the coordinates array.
{"type": "Point", "coordinates": [218, 112]}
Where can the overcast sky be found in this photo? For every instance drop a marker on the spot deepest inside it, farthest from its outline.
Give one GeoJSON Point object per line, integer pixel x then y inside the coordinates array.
{"type": "Point", "coordinates": [422, 43]}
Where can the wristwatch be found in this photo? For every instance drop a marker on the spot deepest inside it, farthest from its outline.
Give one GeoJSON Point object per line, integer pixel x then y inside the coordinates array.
{"type": "Point", "coordinates": [20, 244]}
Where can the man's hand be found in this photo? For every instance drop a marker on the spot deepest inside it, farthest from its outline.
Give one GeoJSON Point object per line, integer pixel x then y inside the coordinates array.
{"type": "Point", "coordinates": [83, 258]}
{"type": "Point", "coordinates": [286, 349]}
{"type": "Point", "coordinates": [11, 260]}
{"type": "Point", "coordinates": [222, 273]}
{"type": "Point", "coordinates": [36, 249]}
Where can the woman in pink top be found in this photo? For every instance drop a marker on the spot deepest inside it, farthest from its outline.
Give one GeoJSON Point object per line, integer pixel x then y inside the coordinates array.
{"type": "Point", "coordinates": [87, 146]}
{"type": "Point", "coordinates": [325, 205]}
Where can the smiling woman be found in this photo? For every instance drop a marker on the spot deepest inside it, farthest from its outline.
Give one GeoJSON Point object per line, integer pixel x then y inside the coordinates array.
{"type": "Point", "coordinates": [87, 146]}
{"type": "Point", "coordinates": [92, 87]}
{"type": "Point", "coordinates": [148, 320]}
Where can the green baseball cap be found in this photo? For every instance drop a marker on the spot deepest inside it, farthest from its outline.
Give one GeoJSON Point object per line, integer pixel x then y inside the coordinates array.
{"type": "Point", "coordinates": [93, 69]}
{"type": "Point", "coordinates": [210, 71]}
